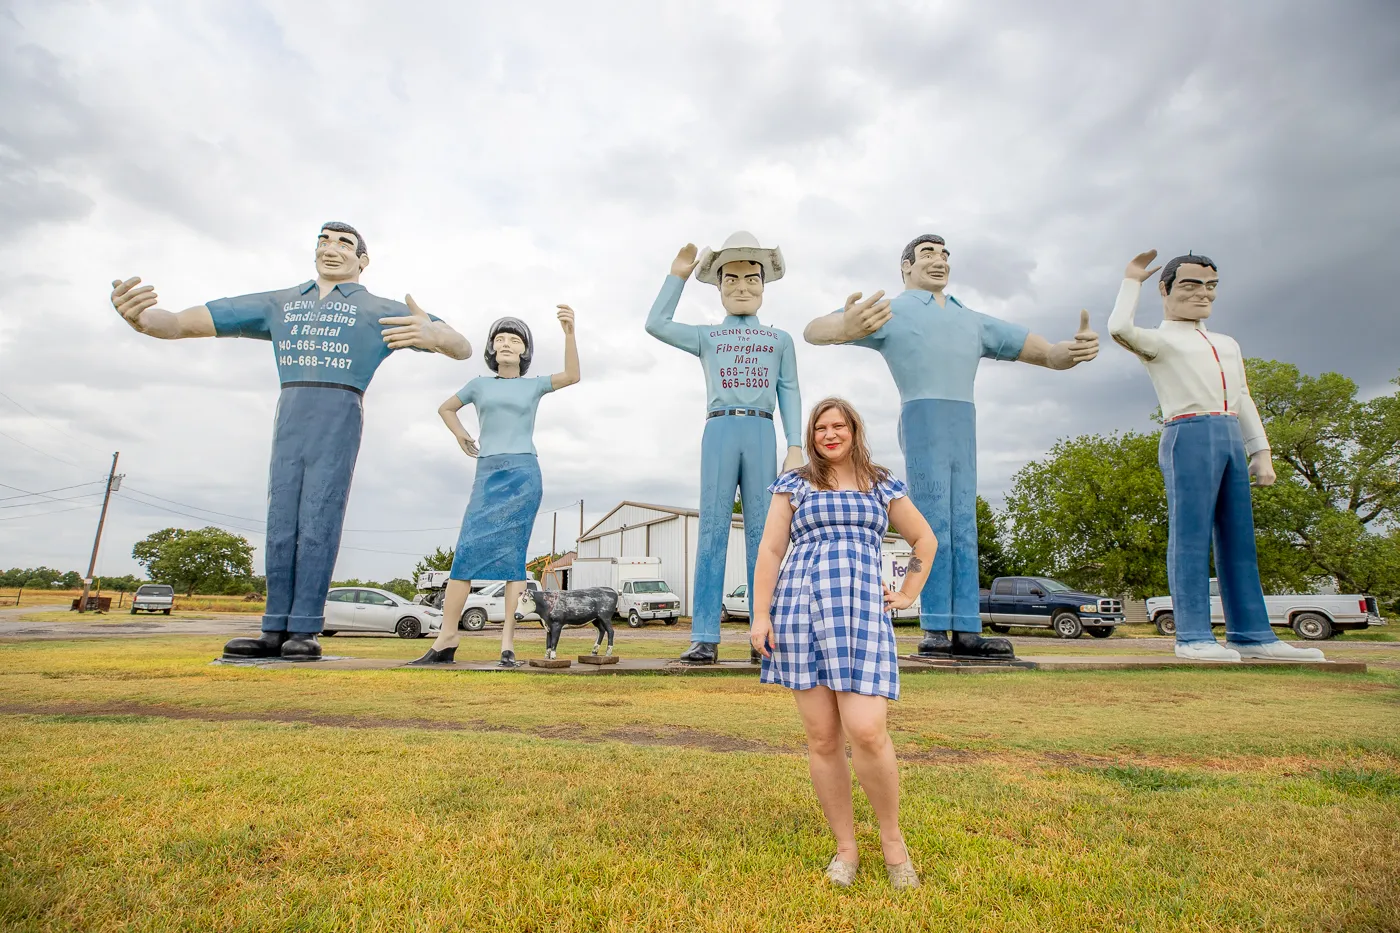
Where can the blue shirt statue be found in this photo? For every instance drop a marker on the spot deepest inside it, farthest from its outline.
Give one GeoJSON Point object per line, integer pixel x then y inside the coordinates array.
{"type": "Point", "coordinates": [933, 345]}
{"type": "Point", "coordinates": [330, 335]}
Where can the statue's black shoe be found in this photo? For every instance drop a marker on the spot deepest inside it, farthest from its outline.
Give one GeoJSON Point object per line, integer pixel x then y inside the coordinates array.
{"type": "Point", "coordinates": [266, 645]}
{"type": "Point", "coordinates": [445, 656]}
{"type": "Point", "coordinates": [935, 645]}
{"type": "Point", "coordinates": [972, 645]}
{"type": "Point", "coordinates": [701, 652]}
{"type": "Point", "coordinates": [301, 646]}
{"type": "Point", "coordinates": [508, 660]}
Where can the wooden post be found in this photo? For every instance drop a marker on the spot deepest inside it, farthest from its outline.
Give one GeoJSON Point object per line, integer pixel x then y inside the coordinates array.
{"type": "Point", "coordinates": [101, 519]}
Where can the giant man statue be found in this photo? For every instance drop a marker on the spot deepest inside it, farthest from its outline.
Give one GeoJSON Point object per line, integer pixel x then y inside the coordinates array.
{"type": "Point", "coordinates": [750, 371]}
{"type": "Point", "coordinates": [329, 335]}
{"type": "Point", "coordinates": [933, 345]}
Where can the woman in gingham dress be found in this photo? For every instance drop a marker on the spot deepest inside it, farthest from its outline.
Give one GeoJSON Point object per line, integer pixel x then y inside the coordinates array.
{"type": "Point", "coordinates": [828, 635]}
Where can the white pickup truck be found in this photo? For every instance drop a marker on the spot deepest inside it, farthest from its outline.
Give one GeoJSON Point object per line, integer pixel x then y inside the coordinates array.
{"type": "Point", "coordinates": [1311, 617]}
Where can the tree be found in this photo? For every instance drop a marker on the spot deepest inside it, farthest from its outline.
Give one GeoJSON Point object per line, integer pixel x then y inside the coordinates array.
{"type": "Point", "coordinates": [1335, 510]}
{"type": "Point", "coordinates": [440, 559]}
{"type": "Point", "coordinates": [203, 559]}
{"type": "Point", "coordinates": [400, 587]}
{"type": "Point", "coordinates": [1094, 513]}
{"type": "Point", "coordinates": [71, 580]}
{"type": "Point", "coordinates": [992, 559]}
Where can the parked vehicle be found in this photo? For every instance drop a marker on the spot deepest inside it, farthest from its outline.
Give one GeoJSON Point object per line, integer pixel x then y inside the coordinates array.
{"type": "Point", "coordinates": [488, 604]}
{"type": "Point", "coordinates": [640, 601]}
{"type": "Point", "coordinates": [153, 597]}
{"type": "Point", "coordinates": [1311, 616]}
{"type": "Point", "coordinates": [641, 593]}
{"type": "Point", "coordinates": [1042, 602]}
{"type": "Point", "coordinates": [735, 605]}
{"type": "Point", "coordinates": [362, 609]}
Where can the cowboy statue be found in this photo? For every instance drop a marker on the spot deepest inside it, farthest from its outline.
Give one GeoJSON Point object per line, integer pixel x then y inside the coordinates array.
{"type": "Point", "coordinates": [330, 335]}
{"type": "Point", "coordinates": [932, 345]}
{"type": "Point", "coordinates": [1213, 445]}
{"type": "Point", "coordinates": [750, 370]}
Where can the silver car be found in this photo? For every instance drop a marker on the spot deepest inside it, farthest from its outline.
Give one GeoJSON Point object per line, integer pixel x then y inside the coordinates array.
{"type": "Point", "coordinates": [361, 609]}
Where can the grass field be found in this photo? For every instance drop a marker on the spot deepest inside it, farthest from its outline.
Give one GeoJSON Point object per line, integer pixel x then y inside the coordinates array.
{"type": "Point", "coordinates": [12, 597]}
{"type": "Point", "coordinates": [142, 788]}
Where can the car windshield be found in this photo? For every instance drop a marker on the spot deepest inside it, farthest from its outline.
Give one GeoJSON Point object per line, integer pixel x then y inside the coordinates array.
{"type": "Point", "coordinates": [1052, 586]}
{"type": "Point", "coordinates": [651, 586]}
{"type": "Point", "coordinates": [156, 591]}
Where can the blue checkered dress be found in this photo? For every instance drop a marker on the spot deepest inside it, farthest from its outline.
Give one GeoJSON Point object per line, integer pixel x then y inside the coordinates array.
{"type": "Point", "coordinates": [829, 616]}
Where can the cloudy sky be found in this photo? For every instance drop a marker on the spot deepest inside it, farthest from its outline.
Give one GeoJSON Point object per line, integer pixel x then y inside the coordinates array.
{"type": "Point", "coordinates": [503, 158]}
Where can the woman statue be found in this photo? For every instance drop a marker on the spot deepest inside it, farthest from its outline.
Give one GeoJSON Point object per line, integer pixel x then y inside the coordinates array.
{"type": "Point", "coordinates": [507, 491]}
{"type": "Point", "coordinates": [827, 634]}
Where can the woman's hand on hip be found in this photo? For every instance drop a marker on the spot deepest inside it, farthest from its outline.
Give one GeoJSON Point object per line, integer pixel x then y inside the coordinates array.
{"type": "Point", "coordinates": [761, 636]}
{"type": "Point", "coordinates": [896, 600]}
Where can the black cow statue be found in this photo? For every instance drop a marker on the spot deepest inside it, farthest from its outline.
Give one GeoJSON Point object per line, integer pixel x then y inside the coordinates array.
{"type": "Point", "coordinates": [558, 608]}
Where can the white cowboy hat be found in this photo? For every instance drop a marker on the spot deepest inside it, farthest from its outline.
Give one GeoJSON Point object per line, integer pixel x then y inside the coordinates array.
{"type": "Point", "coordinates": [740, 247]}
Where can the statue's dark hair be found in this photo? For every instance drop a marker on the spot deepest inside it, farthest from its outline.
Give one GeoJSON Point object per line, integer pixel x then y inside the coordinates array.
{"type": "Point", "coordinates": [1169, 270]}
{"type": "Point", "coordinates": [338, 227]}
{"type": "Point", "coordinates": [908, 254]}
{"type": "Point", "coordinates": [762, 276]}
{"type": "Point", "coordinates": [510, 325]}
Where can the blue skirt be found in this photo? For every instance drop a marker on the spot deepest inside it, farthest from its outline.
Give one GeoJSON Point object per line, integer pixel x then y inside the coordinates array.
{"type": "Point", "coordinates": [500, 516]}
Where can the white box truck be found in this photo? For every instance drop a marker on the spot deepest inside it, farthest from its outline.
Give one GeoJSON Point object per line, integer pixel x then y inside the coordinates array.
{"type": "Point", "coordinates": [641, 593]}
{"type": "Point", "coordinates": [895, 563]}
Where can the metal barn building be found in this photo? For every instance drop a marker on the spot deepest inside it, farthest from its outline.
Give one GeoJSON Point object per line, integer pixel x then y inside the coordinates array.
{"type": "Point", "coordinates": [640, 529]}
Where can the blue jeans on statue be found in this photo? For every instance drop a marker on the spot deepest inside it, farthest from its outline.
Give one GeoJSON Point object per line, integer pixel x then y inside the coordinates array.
{"type": "Point", "coordinates": [1207, 477]}
{"type": "Point", "coordinates": [315, 441]}
{"type": "Point", "coordinates": [939, 441]}
{"type": "Point", "coordinates": [736, 451]}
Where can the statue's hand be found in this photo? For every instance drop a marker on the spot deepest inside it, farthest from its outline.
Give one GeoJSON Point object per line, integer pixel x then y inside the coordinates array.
{"type": "Point", "coordinates": [1083, 348]}
{"type": "Point", "coordinates": [793, 460]}
{"type": "Point", "coordinates": [468, 445]}
{"type": "Point", "coordinates": [566, 318]}
{"type": "Point", "coordinates": [863, 318]}
{"type": "Point", "coordinates": [1261, 468]}
{"type": "Point", "coordinates": [415, 330]}
{"type": "Point", "coordinates": [131, 301]}
{"type": "Point", "coordinates": [685, 261]}
{"type": "Point", "coordinates": [1138, 269]}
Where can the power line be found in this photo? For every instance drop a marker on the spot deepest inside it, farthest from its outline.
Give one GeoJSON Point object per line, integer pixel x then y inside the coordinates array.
{"type": "Point", "coordinates": [48, 499]}
{"type": "Point", "coordinates": [16, 518]}
{"type": "Point", "coordinates": [38, 417]}
{"type": "Point", "coordinates": [197, 508]}
{"type": "Point", "coordinates": [152, 505]}
{"type": "Point", "coordinates": [44, 492]}
{"type": "Point", "coordinates": [38, 451]}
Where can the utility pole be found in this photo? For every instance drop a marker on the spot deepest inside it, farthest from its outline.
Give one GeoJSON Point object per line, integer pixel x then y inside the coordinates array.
{"type": "Point", "coordinates": [114, 482]}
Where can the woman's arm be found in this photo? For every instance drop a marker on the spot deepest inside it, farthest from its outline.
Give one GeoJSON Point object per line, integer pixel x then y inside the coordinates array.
{"type": "Point", "coordinates": [907, 520]}
{"type": "Point", "coordinates": [448, 411]}
{"type": "Point", "coordinates": [777, 532]}
{"type": "Point", "coordinates": [571, 373]}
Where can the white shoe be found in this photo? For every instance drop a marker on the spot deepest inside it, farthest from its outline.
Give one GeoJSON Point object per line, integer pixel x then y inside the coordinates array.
{"type": "Point", "coordinates": [1278, 651]}
{"type": "Point", "coordinates": [1206, 651]}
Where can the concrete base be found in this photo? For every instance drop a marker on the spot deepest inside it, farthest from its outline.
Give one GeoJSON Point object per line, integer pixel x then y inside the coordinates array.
{"type": "Point", "coordinates": [551, 663]}
{"type": "Point", "coordinates": [594, 666]}
{"type": "Point", "coordinates": [263, 662]}
{"type": "Point", "coordinates": [597, 659]}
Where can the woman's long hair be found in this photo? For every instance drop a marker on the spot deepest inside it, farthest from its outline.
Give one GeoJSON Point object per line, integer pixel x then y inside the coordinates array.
{"type": "Point", "coordinates": [819, 471]}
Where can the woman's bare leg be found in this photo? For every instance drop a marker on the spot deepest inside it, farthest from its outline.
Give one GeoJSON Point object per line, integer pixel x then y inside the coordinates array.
{"type": "Point", "coordinates": [826, 762]}
{"type": "Point", "coordinates": [872, 753]}
{"type": "Point", "coordinates": [453, 602]}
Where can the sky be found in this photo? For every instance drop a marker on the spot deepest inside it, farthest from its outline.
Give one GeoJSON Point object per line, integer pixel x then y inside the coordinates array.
{"type": "Point", "coordinates": [504, 158]}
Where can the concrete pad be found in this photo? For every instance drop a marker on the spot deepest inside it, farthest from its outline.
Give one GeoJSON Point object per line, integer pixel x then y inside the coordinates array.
{"type": "Point", "coordinates": [1171, 662]}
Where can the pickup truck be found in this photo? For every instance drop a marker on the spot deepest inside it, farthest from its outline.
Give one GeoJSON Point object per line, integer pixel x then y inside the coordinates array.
{"type": "Point", "coordinates": [1040, 602]}
{"type": "Point", "coordinates": [153, 597]}
{"type": "Point", "coordinates": [639, 601]}
{"type": "Point", "coordinates": [1311, 617]}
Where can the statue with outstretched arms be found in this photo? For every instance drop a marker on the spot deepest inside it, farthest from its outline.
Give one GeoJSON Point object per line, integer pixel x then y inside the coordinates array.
{"type": "Point", "coordinates": [329, 334]}
{"type": "Point", "coordinates": [933, 345]}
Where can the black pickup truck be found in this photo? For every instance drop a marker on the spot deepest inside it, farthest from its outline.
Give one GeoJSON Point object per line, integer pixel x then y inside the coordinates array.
{"type": "Point", "coordinates": [1040, 602]}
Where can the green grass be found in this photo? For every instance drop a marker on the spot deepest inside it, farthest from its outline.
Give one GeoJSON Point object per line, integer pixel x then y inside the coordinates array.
{"type": "Point", "coordinates": [116, 615]}
{"type": "Point", "coordinates": [142, 788]}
